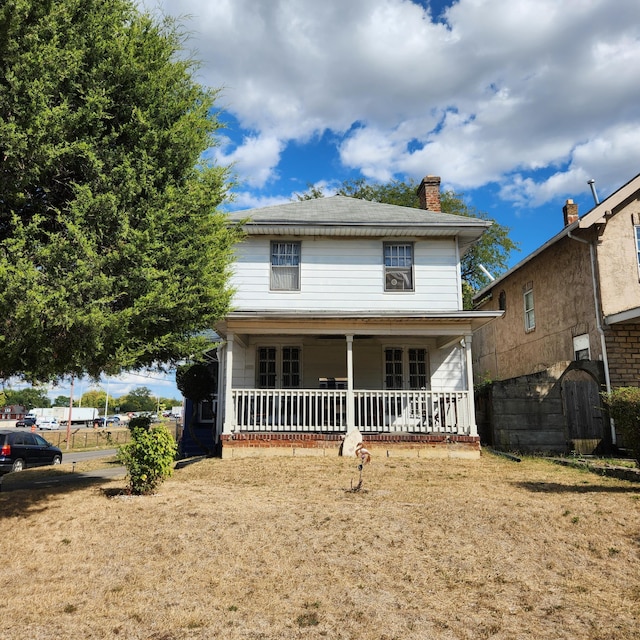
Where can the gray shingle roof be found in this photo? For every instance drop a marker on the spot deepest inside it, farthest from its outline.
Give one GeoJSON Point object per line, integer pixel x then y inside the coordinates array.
{"type": "Point", "coordinates": [341, 216]}
{"type": "Point", "coordinates": [345, 211]}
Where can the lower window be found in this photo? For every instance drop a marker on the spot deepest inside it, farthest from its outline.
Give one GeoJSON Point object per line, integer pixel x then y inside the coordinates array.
{"type": "Point", "coordinates": [279, 367]}
{"type": "Point", "coordinates": [402, 364]}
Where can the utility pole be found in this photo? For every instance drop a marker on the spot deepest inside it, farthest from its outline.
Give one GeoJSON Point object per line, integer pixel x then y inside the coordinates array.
{"type": "Point", "coordinates": [70, 410]}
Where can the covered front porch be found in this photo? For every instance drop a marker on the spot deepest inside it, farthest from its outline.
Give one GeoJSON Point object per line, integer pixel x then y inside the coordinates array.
{"type": "Point", "coordinates": [401, 376]}
{"type": "Point", "coordinates": [340, 410]}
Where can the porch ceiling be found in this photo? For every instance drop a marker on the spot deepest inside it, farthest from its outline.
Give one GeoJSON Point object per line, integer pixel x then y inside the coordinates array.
{"type": "Point", "coordinates": [434, 324]}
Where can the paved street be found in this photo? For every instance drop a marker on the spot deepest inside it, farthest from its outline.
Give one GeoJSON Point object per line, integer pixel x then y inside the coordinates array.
{"type": "Point", "coordinates": [23, 480]}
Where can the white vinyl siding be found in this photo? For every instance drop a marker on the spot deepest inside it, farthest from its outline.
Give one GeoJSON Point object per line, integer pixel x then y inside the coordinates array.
{"type": "Point", "coordinates": [338, 274]}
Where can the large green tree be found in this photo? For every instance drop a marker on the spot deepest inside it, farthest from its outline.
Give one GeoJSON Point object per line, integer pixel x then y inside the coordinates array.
{"type": "Point", "coordinates": [492, 251]}
{"type": "Point", "coordinates": [29, 397]}
{"type": "Point", "coordinates": [95, 398]}
{"type": "Point", "coordinates": [112, 255]}
{"type": "Point", "coordinates": [138, 399]}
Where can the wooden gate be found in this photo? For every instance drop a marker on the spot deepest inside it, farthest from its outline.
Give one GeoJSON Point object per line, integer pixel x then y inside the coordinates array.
{"type": "Point", "coordinates": [583, 411]}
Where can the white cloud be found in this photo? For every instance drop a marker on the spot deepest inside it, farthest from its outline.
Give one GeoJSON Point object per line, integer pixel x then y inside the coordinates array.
{"type": "Point", "coordinates": [255, 159]}
{"type": "Point", "coordinates": [505, 88]}
{"type": "Point", "coordinates": [247, 200]}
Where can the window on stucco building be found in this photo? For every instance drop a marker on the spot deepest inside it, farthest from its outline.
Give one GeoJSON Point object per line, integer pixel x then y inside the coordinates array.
{"type": "Point", "coordinates": [529, 313]}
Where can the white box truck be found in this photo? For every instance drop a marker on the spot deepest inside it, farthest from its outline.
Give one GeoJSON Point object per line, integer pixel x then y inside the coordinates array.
{"type": "Point", "coordinates": [79, 415]}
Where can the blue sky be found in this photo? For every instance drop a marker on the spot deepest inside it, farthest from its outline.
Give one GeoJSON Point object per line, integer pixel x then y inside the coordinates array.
{"type": "Point", "coordinates": [514, 103]}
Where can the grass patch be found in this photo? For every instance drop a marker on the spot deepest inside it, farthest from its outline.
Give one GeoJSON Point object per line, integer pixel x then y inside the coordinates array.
{"type": "Point", "coordinates": [280, 548]}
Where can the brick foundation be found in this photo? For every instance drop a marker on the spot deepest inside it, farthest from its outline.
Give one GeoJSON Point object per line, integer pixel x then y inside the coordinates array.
{"type": "Point", "coordinates": [388, 445]}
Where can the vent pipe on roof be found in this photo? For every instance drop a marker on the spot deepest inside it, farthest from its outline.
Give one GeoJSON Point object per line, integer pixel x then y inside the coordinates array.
{"type": "Point", "coordinates": [592, 184]}
{"type": "Point", "coordinates": [486, 273]}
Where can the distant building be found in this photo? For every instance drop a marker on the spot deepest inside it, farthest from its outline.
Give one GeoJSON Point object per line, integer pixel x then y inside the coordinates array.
{"type": "Point", "coordinates": [12, 412]}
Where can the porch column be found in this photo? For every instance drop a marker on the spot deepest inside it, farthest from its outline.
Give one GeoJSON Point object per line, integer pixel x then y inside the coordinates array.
{"type": "Point", "coordinates": [220, 387]}
{"type": "Point", "coordinates": [229, 413]}
{"type": "Point", "coordinates": [350, 400]}
{"type": "Point", "coordinates": [473, 427]}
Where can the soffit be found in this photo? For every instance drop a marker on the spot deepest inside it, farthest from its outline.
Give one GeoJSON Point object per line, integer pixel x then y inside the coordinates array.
{"type": "Point", "coordinates": [435, 324]}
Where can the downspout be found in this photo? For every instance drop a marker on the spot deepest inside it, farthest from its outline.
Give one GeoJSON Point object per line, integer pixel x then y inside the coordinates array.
{"type": "Point", "coordinates": [603, 344]}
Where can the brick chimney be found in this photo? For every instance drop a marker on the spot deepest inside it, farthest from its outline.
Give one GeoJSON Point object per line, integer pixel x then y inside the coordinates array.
{"type": "Point", "coordinates": [570, 211]}
{"type": "Point", "coordinates": [429, 193]}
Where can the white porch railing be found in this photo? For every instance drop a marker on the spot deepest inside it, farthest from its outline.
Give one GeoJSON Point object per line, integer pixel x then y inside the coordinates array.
{"type": "Point", "coordinates": [325, 411]}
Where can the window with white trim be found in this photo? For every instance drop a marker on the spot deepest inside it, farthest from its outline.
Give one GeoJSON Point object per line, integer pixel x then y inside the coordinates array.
{"type": "Point", "coordinates": [285, 266]}
{"type": "Point", "coordinates": [279, 367]}
{"type": "Point", "coordinates": [398, 266]}
{"type": "Point", "coordinates": [529, 313]}
{"type": "Point", "coordinates": [393, 368]}
{"type": "Point", "coordinates": [417, 368]}
{"type": "Point", "coordinates": [290, 367]}
{"type": "Point", "coordinates": [401, 365]}
{"type": "Point", "coordinates": [581, 349]}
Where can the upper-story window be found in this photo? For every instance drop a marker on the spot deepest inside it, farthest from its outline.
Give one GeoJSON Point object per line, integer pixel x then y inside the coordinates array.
{"type": "Point", "coordinates": [398, 266]}
{"type": "Point", "coordinates": [285, 266]}
{"type": "Point", "coordinates": [529, 313]}
{"type": "Point", "coordinates": [581, 349]}
{"type": "Point", "coordinates": [502, 301]}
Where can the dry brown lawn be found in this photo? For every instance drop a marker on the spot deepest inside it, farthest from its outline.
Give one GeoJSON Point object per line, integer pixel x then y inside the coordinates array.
{"type": "Point", "coordinates": [271, 548]}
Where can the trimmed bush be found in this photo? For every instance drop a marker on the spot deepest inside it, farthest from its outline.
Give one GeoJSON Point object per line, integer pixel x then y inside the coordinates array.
{"type": "Point", "coordinates": [624, 408]}
{"type": "Point", "coordinates": [148, 457]}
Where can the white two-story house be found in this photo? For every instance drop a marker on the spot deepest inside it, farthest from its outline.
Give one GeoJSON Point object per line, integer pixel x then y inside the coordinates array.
{"type": "Point", "coordinates": [348, 315]}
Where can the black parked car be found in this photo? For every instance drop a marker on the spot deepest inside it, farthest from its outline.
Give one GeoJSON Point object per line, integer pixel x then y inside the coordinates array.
{"type": "Point", "coordinates": [19, 450]}
{"type": "Point", "coordinates": [27, 421]}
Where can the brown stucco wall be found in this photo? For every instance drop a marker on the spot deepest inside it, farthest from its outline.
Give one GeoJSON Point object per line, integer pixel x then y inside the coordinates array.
{"type": "Point", "coordinates": [618, 261]}
{"type": "Point", "coordinates": [564, 307]}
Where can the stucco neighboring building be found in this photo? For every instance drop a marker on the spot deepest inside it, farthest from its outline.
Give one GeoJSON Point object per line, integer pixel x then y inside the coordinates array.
{"type": "Point", "coordinates": [570, 329]}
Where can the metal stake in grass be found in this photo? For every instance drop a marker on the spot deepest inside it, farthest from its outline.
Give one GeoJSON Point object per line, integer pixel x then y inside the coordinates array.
{"type": "Point", "coordinates": [364, 457]}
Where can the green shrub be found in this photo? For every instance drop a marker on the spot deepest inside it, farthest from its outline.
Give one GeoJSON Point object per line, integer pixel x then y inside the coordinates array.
{"type": "Point", "coordinates": [624, 408]}
{"type": "Point", "coordinates": [148, 457]}
{"type": "Point", "coordinates": [139, 422]}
